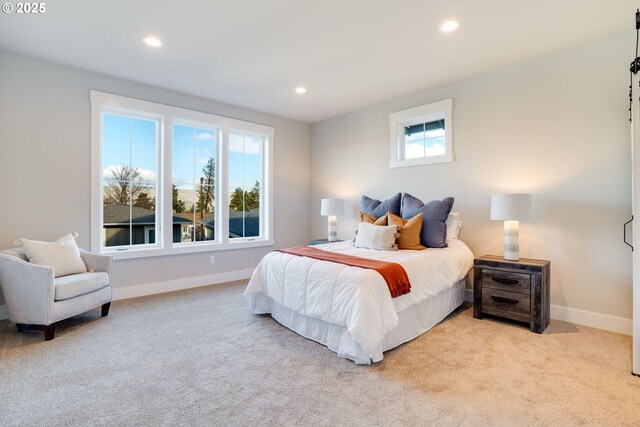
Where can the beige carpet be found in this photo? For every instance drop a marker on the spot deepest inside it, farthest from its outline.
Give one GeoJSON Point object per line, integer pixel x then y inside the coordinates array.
{"type": "Point", "coordinates": [199, 357]}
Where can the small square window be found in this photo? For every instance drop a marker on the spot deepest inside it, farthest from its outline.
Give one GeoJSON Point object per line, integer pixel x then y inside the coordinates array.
{"type": "Point", "coordinates": [422, 135]}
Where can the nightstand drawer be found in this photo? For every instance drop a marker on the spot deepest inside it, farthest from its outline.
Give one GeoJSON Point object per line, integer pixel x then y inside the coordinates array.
{"type": "Point", "coordinates": [506, 280]}
{"type": "Point", "coordinates": [511, 305]}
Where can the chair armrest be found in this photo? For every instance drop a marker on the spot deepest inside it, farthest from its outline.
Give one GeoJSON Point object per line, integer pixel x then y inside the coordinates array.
{"type": "Point", "coordinates": [28, 290]}
{"type": "Point", "coordinates": [97, 262]}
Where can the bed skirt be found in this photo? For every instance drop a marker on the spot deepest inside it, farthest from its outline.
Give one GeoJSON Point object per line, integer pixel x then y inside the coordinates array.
{"type": "Point", "coordinates": [412, 322]}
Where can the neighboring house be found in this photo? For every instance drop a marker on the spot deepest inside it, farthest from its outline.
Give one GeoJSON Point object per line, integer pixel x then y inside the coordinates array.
{"type": "Point", "coordinates": [143, 229]}
{"type": "Point", "coordinates": [241, 224]}
{"type": "Point", "coordinates": [188, 230]}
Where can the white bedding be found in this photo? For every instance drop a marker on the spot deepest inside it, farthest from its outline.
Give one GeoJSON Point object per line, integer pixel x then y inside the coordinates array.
{"type": "Point", "coordinates": [355, 298]}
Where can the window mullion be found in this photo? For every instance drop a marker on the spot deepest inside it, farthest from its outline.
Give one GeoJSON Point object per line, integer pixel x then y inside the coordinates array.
{"type": "Point", "coordinates": [165, 168]}
{"type": "Point", "coordinates": [244, 185]}
{"type": "Point", "coordinates": [194, 225]}
{"type": "Point", "coordinates": [222, 211]}
{"type": "Point", "coordinates": [266, 219]}
{"type": "Point", "coordinates": [130, 181]}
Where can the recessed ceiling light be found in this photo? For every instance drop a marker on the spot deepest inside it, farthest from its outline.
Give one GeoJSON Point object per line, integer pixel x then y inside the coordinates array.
{"type": "Point", "coordinates": [152, 41]}
{"type": "Point", "coordinates": [301, 90]}
{"type": "Point", "coordinates": [449, 26]}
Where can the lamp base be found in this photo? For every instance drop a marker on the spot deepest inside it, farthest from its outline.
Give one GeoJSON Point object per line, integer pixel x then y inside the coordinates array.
{"type": "Point", "coordinates": [333, 233]}
{"type": "Point", "coordinates": [511, 240]}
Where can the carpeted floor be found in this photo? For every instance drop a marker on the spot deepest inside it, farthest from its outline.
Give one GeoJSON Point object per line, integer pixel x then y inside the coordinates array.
{"type": "Point", "coordinates": [198, 357]}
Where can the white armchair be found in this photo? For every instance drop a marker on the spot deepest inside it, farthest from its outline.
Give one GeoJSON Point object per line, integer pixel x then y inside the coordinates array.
{"type": "Point", "coordinates": [35, 297]}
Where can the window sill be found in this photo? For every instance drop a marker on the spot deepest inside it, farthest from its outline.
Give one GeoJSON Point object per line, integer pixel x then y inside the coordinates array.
{"type": "Point", "coordinates": [421, 161]}
{"type": "Point", "coordinates": [190, 249]}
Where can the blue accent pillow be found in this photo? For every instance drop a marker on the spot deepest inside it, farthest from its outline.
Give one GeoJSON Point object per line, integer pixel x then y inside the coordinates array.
{"type": "Point", "coordinates": [377, 208]}
{"type": "Point", "coordinates": [434, 217]}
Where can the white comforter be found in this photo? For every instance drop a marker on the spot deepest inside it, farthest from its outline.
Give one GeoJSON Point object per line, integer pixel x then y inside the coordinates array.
{"type": "Point", "coordinates": [354, 297]}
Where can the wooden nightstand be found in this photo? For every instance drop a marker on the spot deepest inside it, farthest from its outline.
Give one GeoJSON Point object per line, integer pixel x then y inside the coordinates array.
{"type": "Point", "coordinates": [516, 290]}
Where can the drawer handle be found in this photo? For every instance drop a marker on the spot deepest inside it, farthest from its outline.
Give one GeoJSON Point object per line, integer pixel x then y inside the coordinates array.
{"type": "Point", "coordinates": [503, 280]}
{"type": "Point", "coordinates": [503, 299]}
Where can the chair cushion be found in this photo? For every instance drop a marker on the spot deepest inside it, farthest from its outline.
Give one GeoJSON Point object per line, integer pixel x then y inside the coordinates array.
{"type": "Point", "coordinates": [79, 284]}
{"type": "Point", "coordinates": [63, 254]}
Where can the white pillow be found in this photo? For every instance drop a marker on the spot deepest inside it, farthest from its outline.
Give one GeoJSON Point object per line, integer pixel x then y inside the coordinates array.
{"type": "Point", "coordinates": [63, 255]}
{"type": "Point", "coordinates": [454, 224]}
{"type": "Point", "coordinates": [376, 236]}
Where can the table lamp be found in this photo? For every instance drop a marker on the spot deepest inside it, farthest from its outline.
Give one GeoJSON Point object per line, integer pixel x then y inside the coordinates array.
{"type": "Point", "coordinates": [332, 208]}
{"type": "Point", "coordinates": [511, 208]}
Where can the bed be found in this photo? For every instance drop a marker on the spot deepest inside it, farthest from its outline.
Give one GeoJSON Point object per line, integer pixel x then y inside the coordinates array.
{"type": "Point", "coordinates": [349, 309]}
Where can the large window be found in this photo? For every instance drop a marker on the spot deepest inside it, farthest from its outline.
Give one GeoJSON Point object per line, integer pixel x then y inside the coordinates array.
{"type": "Point", "coordinates": [422, 135]}
{"type": "Point", "coordinates": [129, 179]}
{"type": "Point", "coordinates": [168, 180]}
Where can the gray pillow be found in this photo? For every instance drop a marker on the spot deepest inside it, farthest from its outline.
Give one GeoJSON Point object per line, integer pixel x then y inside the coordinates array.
{"type": "Point", "coordinates": [377, 208]}
{"type": "Point", "coordinates": [434, 219]}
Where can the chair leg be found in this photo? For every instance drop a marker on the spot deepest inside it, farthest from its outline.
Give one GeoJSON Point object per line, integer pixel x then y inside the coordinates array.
{"type": "Point", "coordinates": [21, 327]}
{"type": "Point", "coordinates": [49, 330]}
{"type": "Point", "coordinates": [105, 309]}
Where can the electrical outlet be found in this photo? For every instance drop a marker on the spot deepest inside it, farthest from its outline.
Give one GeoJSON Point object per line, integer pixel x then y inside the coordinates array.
{"type": "Point", "coordinates": [212, 259]}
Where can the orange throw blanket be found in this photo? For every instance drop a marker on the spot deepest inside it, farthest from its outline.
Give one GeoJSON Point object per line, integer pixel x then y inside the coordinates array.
{"type": "Point", "coordinates": [393, 273]}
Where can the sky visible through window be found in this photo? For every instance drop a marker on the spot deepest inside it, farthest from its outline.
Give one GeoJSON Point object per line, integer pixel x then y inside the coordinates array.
{"type": "Point", "coordinates": [132, 142]}
{"type": "Point", "coordinates": [192, 149]}
{"type": "Point", "coordinates": [427, 143]}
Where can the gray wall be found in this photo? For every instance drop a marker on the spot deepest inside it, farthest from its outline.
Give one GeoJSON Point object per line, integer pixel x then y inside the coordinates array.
{"type": "Point", "coordinates": [45, 165]}
{"type": "Point", "coordinates": [556, 127]}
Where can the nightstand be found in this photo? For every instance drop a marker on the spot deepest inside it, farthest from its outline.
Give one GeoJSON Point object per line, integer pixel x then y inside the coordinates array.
{"type": "Point", "coordinates": [516, 290]}
{"type": "Point", "coordinates": [321, 241]}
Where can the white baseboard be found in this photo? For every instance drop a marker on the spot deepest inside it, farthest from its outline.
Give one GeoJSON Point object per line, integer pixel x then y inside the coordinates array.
{"type": "Point", "coordinates": [581, 317]}
{"type": "Point", "coordinates": [179, 284]}
{"type": "Point", "coordinates": [591, 319]}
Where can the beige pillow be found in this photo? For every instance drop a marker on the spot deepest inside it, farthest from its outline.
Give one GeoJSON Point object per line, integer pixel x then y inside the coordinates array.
{"type": "Point", "coordinates": [372, 236]}
{"type": "Point", "coordinates": [454, 225]}
{"type": "Point", "coordinates": [365, 217]}
{"type": "Point", "coordinates": [409, 231]}
{"type": "Point", "coordinates": [63, 255]}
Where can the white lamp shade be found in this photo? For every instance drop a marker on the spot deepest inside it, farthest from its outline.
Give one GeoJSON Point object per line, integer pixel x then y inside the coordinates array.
{"type": "Point", "coordinates": [511, 207]}
{"type": "Point", "coordinates": [332, 207]}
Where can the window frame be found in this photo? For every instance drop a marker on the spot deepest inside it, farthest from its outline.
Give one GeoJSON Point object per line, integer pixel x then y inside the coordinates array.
{"type": "Point", "coordinates": [417, 115]}
{"type": "Point", "coordinates": [102, 102]}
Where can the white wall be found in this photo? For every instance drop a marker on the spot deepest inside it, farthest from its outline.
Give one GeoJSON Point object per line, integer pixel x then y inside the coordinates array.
{"type": "Point", "coordinates": [556, 127]}
{"type": "Point", "coordinates": [45, 166]}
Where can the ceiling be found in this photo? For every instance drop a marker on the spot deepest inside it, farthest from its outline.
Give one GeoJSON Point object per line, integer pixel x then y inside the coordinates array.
{"type": "Point", "coordinates": [347, 53]}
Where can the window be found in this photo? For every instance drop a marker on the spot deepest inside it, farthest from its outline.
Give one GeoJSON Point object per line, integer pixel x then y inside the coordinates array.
{"type": "Point", "coordinates": [167, 180]}
{"type": "Point", "coordinates": [422, 135]}
{"type": "Point", "coordinates": [194, 183]}
{"type": "Point", "coordinates": [129, 179]}
{"type": "Point", "coordinates": [245, 170]}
